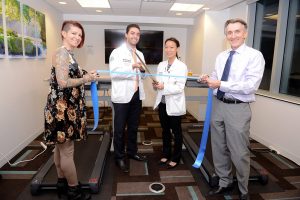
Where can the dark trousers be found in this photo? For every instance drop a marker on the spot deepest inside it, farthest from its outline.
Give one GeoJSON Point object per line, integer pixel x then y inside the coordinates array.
{"type": "Point", "coordinates": [169, 123]}
{"type": "Point", "coordinates": [126, 114]}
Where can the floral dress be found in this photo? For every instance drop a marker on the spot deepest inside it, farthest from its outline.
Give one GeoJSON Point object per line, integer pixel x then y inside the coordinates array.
{"type": "Point", "coordinates": [65, 111]}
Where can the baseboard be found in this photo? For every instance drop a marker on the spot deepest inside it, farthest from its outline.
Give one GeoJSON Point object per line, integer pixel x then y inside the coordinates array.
{"type": "Point", "coordinates": [19, 147]}
{"type": "Point", "coordinates": [279, 150]}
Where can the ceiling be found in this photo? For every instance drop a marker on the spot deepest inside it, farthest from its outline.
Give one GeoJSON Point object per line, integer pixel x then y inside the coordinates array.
{"type": "Point", "coordinates": [157, 8]}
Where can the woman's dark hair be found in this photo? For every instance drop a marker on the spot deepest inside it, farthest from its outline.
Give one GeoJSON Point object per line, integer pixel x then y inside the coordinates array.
{"type": "Point", "coordinates": [175, 41]}
{"type": "Point", "coordinates": [66, 26]}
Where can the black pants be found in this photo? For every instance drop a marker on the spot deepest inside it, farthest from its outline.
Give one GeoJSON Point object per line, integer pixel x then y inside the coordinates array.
{"type": "Point", "coordinates": [126, 114]}
{"type": "Point", "coordinates": [167, 123]}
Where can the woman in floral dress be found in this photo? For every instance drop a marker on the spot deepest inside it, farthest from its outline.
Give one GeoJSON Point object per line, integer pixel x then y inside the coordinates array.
{"type": "Point", "coordinates": [65, 111]}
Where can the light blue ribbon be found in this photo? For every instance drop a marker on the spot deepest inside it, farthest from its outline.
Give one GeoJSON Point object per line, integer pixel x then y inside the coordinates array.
{"type": "Point", "coordinates": [94, 92]}
{"type": "Point", "coordinates": [94, 95]}
{"type": "Point", "coordinates": [205, 132]}
{"type": "Point", "coordinates": [145, 74]}
{"type": "Point", "coordinates": [204, 137]}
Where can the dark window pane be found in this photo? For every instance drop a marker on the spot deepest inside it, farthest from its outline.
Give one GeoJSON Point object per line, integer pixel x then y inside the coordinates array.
{"type": "Point", "coordinates": [290, 77]}
{"type": "Point", "coordinates": [265, 33]}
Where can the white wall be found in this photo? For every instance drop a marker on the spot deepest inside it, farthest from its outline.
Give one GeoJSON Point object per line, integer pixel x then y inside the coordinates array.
{"type": "Point", "coordinates": [91, 55]}
{"type": "Point", "coordinates": [276, 124]}
{"type": "Point", "coordinates": [24, 91]}
{"type": "Point", "coordinates": [207, 40]}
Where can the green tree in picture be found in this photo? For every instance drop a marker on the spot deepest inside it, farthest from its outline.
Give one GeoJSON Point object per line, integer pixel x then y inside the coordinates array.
{"type": "Point", "coordinates": [40, 17]}
{"type": "Point", "coordinates": [12, 10]}
{"type": "Point", "coordinates": [28, 14]}
{"type": "Point", "coordinates": [15, 45]}
{"type": "Point", "coordinates": [29, 47]}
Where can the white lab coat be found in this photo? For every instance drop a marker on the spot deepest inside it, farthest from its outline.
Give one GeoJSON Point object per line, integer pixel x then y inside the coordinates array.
{"type": "Point", "coordinates": [173, 87]}
{"type": "Point", "coordinates": [121, 60]}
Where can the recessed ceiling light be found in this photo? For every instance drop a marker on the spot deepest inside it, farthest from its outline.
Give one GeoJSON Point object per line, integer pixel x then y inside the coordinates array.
{"type": "Point", "coordinates": [94, 3]}
{"type": "Point", "coordinates": [186, 7]}
{"type": "Point", "coordinates": [205, 8]}
{"type": "Point", "coordinates": [178, 14]}
{"type": "Point", "coordinates": [62, 2]}
{"type": "Point", "coordinates": [99, 11]}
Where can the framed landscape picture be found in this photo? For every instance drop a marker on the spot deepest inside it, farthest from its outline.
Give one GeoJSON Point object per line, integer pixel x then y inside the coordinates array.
{"type": "Point", "coordinates": [23, 30]}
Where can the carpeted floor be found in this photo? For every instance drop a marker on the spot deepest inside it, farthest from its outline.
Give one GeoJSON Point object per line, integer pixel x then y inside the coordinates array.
{"type": "Point", "coordinates": [181, 183]}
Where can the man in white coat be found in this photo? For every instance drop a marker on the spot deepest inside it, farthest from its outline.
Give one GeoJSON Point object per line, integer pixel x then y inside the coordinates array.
{"type": "Point", "coordinates": [127, 95]}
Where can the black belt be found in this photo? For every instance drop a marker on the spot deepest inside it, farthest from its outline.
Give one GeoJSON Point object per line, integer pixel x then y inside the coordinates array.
{"type": "Point", "coordinates": [230, 101]}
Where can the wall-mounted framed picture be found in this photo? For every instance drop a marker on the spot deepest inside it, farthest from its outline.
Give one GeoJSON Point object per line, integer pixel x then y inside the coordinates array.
{"type": "Point", "coordinates": [22, 31]}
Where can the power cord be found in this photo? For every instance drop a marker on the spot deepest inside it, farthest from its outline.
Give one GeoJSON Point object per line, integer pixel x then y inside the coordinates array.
{"type": "Point", "coordinates": [16, 163]}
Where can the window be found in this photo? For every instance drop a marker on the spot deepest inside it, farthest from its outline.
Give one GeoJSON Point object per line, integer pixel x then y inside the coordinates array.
{"type": "Point", "coordinates": [290, 78]}
{"type": "Point", "coordinates": [264, 35]}
{"type": "Point", "coordinates": [277, 36]}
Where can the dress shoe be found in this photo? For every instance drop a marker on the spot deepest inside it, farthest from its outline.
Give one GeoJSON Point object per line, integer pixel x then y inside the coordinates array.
{"type": "Point", "coordinates": [77, 193]}
{"type": "Point", "coordinates": [169, 166]}
{"type": "Point", "coordinates": [61, 187]}
{"type": "Point", "coordinates": [138, 157]}
{"type": "Point", "coordinates": [121, 164]}
{"type": "Point", "coordinates": [220, 190]}
{"type": "Point", "coordinates": [163, 161]}
{"type": "Point", "coordinates": [244, 197]}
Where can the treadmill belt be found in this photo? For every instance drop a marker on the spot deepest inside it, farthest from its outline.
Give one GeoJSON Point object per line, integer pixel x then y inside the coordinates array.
{"type": "Point", "coordinates": [196, 137]}
{"type": "Point", "coordinates": [85, 156]}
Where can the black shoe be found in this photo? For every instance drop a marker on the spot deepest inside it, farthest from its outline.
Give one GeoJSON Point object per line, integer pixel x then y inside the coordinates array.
{"type": "Point", "coordinates": [61, 187]}
{"type": "Point", "coordinates": [220, 190]}
{"type": "Point", "coordinates": [121, 164]}
{"type": "Point", "coordinates": [138, 157]}
{"type": "Point", "coordinates": [244, 196]}
{"type": "Point", "coordinates": [76, 193]}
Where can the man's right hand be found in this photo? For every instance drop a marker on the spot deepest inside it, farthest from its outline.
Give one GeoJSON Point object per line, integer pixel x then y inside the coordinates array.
{"type": "Point", "coordinates": [203, 78]}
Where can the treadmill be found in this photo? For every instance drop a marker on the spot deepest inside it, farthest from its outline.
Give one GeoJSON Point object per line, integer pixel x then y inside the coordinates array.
{"type": "Point", "coordinates": [89, 157]}
{"type": "Point", "coordinates": [88, 172]}
{"type": "Point", "coordinates": [192, 134]}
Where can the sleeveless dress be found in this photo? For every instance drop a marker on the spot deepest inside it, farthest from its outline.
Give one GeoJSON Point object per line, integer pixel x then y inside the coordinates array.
{"type": "Point", "coordinates": [65, 111]}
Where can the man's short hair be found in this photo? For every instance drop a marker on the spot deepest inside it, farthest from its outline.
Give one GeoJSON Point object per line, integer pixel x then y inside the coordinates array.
{"type": "Point", "coordinates": [236, 20]}
{"type": "Point", "coordinates": [132, 26]}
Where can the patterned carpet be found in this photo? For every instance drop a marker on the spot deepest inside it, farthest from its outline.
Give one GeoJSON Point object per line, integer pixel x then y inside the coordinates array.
{"type": "Point", "coordinates": [181, 183]}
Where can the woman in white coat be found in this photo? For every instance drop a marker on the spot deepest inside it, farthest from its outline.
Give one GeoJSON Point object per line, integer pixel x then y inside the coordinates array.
{"type": "Point", "coordinates": [170, 101]}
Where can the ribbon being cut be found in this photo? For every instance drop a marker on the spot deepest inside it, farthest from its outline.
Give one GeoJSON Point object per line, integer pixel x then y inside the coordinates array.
{"type": "Point", "coordinates": [202, 148]}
